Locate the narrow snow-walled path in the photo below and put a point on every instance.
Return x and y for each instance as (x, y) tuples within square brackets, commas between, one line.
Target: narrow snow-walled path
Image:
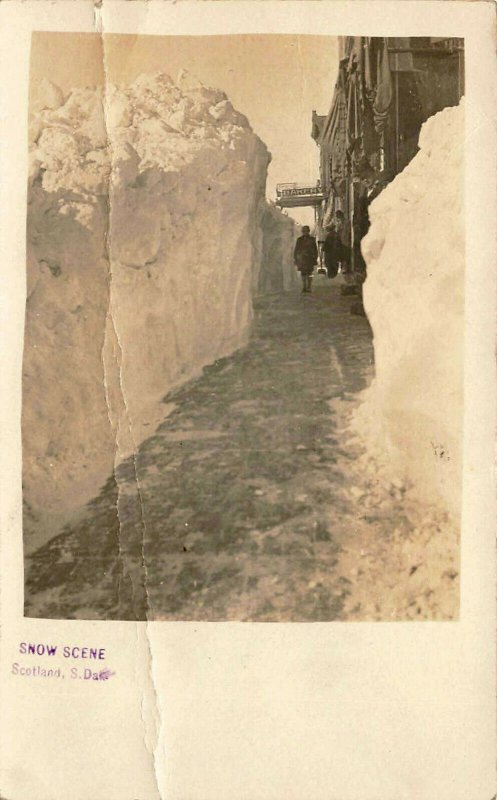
[(244, 504)]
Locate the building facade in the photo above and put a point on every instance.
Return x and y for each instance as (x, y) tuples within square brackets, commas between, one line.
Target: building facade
[(386, 88)]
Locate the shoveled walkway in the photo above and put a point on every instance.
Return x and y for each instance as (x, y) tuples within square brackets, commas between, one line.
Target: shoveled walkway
[(235, 508)]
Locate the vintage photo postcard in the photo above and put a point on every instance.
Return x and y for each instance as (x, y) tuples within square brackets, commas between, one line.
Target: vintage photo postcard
[(243, 353), (253, 382)]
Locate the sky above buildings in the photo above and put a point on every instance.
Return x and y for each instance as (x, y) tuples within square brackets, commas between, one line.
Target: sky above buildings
[(275, 80)]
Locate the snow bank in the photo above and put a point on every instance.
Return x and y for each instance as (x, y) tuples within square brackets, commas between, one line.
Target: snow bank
[(414, 299), (144, 233), (277, 272)]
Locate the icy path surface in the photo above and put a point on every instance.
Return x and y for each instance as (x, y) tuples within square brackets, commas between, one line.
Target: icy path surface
[(247, 503)]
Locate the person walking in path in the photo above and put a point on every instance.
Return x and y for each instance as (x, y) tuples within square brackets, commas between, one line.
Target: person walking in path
[(344, 235), (332, 251), (305, 257)]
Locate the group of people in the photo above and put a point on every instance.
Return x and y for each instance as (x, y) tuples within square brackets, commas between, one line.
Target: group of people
[(335, 250)]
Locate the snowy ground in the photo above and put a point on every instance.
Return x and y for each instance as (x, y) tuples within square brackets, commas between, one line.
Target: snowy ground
[(414, 299), (254, 501), (144, 243)]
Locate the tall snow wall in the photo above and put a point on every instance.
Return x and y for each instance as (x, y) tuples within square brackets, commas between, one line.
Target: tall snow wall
[(414, 298), (144, 243), (277, 272)]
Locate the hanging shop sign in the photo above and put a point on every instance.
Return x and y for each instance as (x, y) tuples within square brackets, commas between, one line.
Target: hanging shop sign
[(298, 194), (297, 190)]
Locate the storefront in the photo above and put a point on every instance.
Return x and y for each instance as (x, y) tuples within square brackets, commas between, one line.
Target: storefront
[(386, 88)]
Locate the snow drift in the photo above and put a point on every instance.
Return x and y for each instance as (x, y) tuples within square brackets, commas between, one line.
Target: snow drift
[(278, 272), (414, 299), (144, 242)]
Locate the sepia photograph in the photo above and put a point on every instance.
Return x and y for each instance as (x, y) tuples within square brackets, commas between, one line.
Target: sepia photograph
[(243, 365)]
